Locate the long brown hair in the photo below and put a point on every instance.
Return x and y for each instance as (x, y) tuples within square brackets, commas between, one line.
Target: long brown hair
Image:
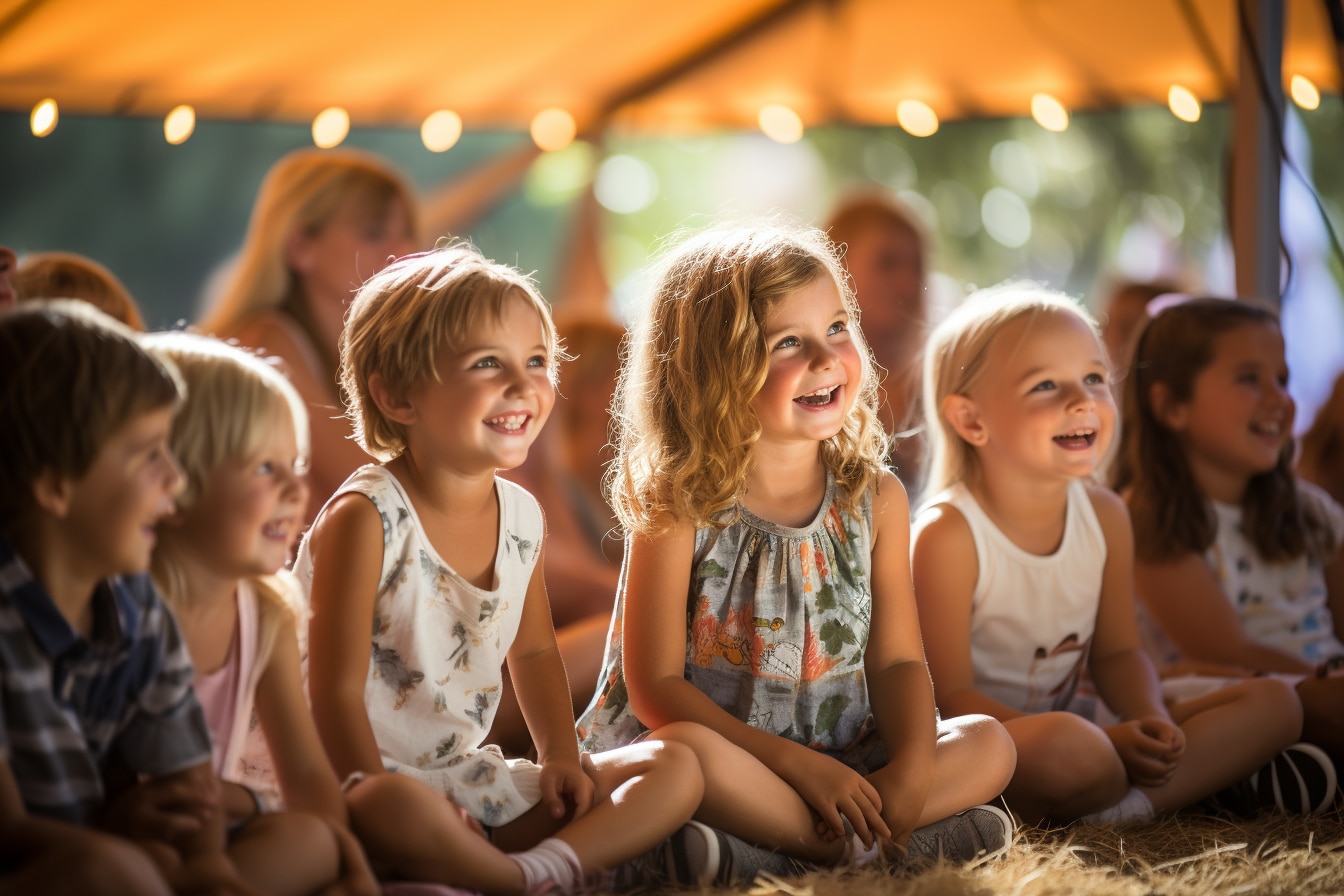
[(1171, 515)]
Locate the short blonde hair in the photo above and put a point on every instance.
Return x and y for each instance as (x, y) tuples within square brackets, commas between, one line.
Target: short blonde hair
[(954, 361), (65, 275), (402, 316), (233, 397), (302, 193), (684, 426)]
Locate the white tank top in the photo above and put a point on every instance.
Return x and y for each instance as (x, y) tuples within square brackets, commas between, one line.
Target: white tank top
[(1032, 616)]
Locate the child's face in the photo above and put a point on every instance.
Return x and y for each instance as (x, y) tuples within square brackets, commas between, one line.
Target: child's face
[(491, 399), (250, 511), (1240, 415), (115, 505), (815, 366), (1043, 402)]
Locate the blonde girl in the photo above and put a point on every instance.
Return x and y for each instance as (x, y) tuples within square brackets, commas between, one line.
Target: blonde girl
[(241, 438), (323, 222), (766, 588), (424, 577), (1023, 570), (1239, 562)]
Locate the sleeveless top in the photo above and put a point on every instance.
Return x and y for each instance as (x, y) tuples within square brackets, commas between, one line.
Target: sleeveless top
[(776, 626), (1033, 616), (437, 646), (227, 693)]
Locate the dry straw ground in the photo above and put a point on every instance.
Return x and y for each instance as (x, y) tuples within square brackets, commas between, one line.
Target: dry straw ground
[(1176, 856)]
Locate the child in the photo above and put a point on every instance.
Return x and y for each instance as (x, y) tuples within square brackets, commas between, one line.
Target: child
[(1239, 563), (96, 680), (65, 275), (423, 575), (241, 438), (766, 587), (1023, 568)]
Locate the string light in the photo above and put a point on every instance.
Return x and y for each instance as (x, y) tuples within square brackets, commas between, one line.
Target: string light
[(441, 130), (44, 118), (1184, 104), (780, 123), (1049, 112), (1304, 92), (179, 124), (553, 129), (330, 127), (917, 117)]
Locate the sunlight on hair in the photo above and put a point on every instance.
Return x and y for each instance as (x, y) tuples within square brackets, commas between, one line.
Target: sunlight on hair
[(178, 124), (330, 127), (917, 117), (1184, 104), (553, 129), (441, 130), (780, 123), (1304, 92), (1049, 112), (44, 117)]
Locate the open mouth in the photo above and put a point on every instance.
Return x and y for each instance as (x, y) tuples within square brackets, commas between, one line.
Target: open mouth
[(509, 422), (277, 529), (820, 398), (1079, 438), (1268, 430)]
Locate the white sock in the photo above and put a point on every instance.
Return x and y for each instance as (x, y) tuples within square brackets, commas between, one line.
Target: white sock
[(1134, 806), (858, 855), (550, 861)]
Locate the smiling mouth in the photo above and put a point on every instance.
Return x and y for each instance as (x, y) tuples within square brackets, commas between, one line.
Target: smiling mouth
[(1270, 430), (818, 399), (509, 422), (1079, 438), (276, 529)]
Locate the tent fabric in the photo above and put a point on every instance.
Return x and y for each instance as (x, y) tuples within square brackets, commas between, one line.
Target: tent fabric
[(645, 67)]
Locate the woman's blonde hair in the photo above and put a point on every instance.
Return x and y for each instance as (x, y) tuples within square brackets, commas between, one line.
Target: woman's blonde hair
[(302, 193), (403, 315), (65, 275), (233, 398), (955, 361), (683, 421)]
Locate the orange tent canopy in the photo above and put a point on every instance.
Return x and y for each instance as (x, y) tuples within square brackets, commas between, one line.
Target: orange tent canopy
[(647, 67)]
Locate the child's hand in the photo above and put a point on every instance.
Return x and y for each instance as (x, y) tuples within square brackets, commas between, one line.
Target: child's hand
[(166, 809), (1150, 748), (561, 778), (836, 793), (899, 811), (356, 877)]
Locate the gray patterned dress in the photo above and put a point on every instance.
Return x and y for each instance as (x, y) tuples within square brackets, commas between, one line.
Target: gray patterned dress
[(776, 625), (438, 644)]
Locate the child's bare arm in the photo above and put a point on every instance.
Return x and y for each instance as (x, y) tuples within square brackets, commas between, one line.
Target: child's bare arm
[(654, 656), (945, 569), (346, 545), (898, 679), (539, 680), (301, 766)]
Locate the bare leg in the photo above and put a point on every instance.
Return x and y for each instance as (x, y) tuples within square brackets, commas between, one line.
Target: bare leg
[(1323, 715), (974, 763), (90, 864), (748, 800), (412, 832), (1229, 733), (644, 792), (1066, 768), (286, 853)]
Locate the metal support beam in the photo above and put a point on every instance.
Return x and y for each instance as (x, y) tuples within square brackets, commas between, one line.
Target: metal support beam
[(1256, 160)]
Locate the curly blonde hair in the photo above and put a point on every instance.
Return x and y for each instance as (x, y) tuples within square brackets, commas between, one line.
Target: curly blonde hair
[(954, 361), (684, 425), (402, 316)]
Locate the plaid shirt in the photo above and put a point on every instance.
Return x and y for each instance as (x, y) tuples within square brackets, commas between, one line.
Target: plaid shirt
[(70, 706)]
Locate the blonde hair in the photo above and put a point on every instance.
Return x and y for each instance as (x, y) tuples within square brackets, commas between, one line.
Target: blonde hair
[(302, 193), (403, 315), (65, 275), (684, 426), (233, 397), (955, 361)]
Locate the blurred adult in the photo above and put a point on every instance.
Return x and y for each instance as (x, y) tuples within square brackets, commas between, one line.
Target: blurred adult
[(1124, 307), (324, 221)]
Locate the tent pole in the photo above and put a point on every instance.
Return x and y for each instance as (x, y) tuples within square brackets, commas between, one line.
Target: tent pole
[(1256, 160)]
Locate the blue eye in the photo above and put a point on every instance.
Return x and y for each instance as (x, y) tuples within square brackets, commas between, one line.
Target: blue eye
[(1095, 379), (788, 342), (265, 468), (537, 361), (487, 362), (838, 327), (1043, 386)]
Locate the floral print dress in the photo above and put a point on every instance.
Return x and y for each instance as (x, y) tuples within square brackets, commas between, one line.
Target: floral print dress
[(438, 644), (777, 621)]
